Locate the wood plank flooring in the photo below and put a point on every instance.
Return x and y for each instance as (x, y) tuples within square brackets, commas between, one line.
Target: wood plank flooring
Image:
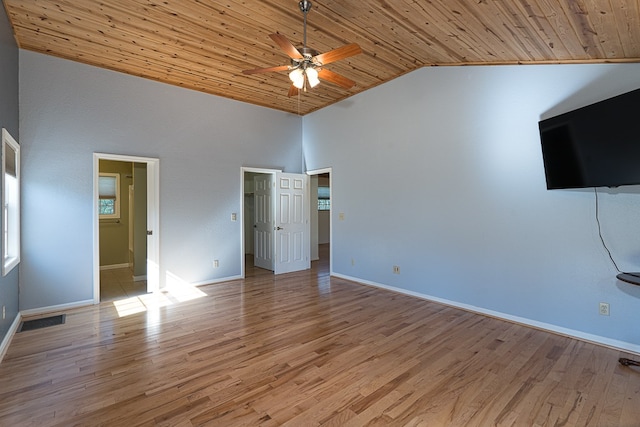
[(305, 349)]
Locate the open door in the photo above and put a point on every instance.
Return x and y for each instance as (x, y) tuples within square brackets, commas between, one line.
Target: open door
[(153, 224), (263, 223), (292, 228), (280, 222)]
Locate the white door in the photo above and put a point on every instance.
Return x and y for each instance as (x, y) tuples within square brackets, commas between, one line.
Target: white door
[(153, 225), (292, 223), (263, 225)]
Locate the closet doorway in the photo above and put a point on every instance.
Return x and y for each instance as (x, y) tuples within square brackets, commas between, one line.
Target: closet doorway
[(320, 186), (275, 217)]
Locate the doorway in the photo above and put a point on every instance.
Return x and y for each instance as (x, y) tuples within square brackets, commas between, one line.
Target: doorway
[(321, 218), (275, 221), (257, 221), (122, 205), (126, 244)]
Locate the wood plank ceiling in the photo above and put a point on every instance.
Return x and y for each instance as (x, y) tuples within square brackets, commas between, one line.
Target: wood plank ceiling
[(206, 44)]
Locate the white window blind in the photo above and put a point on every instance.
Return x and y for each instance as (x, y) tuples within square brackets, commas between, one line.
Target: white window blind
[(109, 195), (108, 189), (324, 202)]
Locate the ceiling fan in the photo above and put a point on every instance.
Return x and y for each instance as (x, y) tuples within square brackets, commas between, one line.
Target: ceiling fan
[(306, 64)]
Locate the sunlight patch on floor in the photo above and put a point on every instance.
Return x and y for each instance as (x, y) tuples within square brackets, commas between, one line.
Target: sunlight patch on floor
[(175, 291), (129, 306), (181, 290)]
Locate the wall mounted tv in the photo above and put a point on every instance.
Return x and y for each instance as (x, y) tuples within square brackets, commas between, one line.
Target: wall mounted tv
[(593, 146)]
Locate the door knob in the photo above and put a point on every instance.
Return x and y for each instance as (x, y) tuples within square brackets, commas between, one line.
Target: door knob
[(279, 228)]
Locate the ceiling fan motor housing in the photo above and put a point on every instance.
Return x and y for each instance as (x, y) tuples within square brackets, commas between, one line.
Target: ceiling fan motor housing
[(308, 60)]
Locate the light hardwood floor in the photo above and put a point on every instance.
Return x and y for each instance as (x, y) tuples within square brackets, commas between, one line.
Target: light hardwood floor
[(304, 349)]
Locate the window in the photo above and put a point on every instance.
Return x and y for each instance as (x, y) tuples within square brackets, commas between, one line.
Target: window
[(109, 195), (10, 203), (324, 203)]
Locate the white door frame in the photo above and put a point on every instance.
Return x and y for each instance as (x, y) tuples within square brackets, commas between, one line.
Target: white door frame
[(244, 169), (328, 170), (153, 219)]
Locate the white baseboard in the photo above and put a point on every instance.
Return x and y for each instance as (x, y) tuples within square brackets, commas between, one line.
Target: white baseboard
[(114, 266), (583, 336), (55, 308), (212, 281), (139, 278), (4, 345)]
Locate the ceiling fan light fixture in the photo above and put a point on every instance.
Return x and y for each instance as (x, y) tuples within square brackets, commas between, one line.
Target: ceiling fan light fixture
[(307, 65), (312, 76), (297, 77)]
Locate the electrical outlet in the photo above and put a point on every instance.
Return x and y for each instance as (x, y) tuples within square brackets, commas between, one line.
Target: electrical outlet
[(216, 263), (604, 308), (234, 216), (341, 216), (4, 312), (396, 269)]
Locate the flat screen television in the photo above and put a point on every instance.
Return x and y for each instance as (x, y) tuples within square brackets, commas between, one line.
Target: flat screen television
[(593, 146)]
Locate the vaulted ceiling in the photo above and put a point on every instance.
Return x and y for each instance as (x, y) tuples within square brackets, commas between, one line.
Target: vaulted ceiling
[(206, 44)]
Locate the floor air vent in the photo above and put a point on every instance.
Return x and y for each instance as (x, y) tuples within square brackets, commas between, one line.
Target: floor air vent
[(30, 325)]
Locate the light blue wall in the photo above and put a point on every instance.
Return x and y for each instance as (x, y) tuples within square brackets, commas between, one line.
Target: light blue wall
[(70, 110), (440, 172), (8, 120)]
